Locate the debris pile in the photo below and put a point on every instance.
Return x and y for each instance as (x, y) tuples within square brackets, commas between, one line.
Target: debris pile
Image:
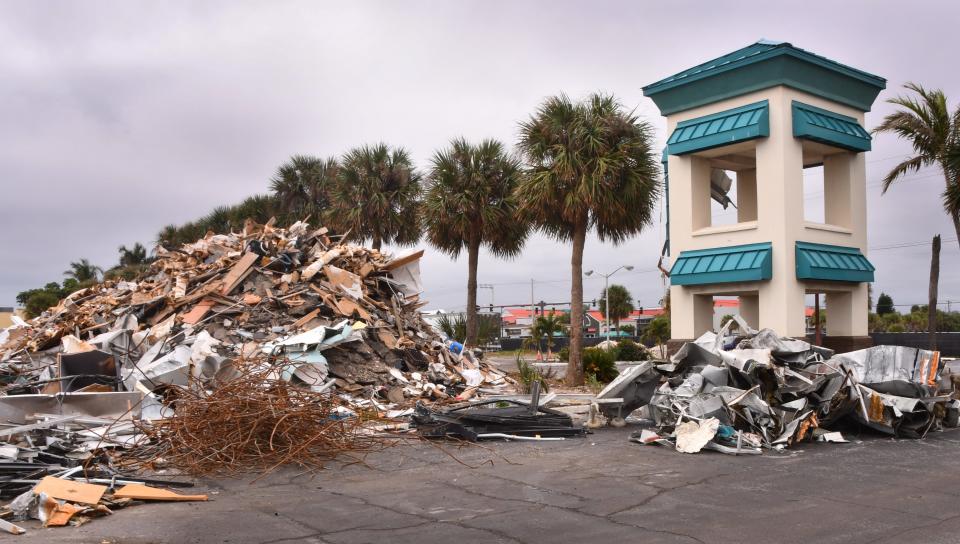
[(325, 309), (773, 392), (238, 352)]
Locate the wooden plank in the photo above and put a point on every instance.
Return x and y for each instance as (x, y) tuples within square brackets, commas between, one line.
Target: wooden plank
[(388, 339), (58, 515), (347, 307), (397, 263), (69, 490), (306, 319), (11, 528), (198, 312), (239, 272), (142, 492)]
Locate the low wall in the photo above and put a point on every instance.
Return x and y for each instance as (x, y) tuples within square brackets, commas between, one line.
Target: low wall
[(947, 342), (510, 344)]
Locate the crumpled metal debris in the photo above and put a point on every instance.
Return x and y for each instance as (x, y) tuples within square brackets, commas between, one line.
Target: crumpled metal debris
[(773, 392)]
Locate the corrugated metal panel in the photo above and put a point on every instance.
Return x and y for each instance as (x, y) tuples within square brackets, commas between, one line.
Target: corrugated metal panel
[(751, 262), (833, 263), (820, 125), (719, 129)]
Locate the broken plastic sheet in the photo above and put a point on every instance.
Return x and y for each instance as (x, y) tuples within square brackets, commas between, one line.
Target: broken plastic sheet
[(692, 436)]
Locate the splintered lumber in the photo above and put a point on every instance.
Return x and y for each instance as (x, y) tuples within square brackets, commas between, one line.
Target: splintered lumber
[(11, 528), (199, 311), (145, 493), (238, 272), (405, 260), (69, 490)]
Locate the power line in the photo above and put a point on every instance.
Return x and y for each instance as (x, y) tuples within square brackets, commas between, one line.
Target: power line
[(902, 245)]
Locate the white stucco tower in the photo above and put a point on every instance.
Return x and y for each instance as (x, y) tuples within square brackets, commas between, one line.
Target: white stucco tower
[(763, 115)]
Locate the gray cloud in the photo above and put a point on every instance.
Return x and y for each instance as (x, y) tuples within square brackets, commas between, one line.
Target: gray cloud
[(120, 117)]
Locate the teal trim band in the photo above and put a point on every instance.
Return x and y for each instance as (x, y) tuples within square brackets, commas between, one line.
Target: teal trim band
[(760, 66), (832, 263), (720, 129), (827, 127), (750, 262)]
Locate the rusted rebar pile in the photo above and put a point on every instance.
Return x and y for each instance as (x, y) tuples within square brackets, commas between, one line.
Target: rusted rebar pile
[(252, 423)]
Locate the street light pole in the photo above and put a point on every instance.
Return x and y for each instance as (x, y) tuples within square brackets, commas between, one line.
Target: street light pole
[(606, 294), (606, 305)]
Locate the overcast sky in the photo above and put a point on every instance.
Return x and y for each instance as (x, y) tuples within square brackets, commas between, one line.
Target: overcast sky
[(117, 118)]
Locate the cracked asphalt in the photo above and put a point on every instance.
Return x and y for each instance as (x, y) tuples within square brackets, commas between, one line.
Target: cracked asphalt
[(601, 488)]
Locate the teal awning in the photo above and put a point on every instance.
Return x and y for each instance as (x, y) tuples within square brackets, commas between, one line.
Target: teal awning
[(749, 262), (724, 128), (834, 263), (829, 128)]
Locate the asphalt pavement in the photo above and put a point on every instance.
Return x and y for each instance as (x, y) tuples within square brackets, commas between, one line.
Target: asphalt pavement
[(600, 488)]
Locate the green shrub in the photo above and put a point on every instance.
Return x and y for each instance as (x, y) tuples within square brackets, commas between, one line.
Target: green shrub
[(529, 374), (593, 384), (628, 350), (564, 354), (600, 363)]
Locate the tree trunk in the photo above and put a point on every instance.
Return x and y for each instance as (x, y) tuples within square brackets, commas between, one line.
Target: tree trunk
[(575, 365), (377, 242), (956, 226), (934, 284), (473, 255)]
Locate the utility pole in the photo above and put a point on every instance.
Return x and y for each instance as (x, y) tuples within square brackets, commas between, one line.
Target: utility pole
[(934, 284), (606, 305), (533, 312), (818, 340)]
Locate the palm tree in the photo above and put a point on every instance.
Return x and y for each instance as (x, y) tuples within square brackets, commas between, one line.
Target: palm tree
[(377, 196), (935, 136), (469, 202), (134, 256), (547, 325), (621, 304), (83, 271), (301, 186), (591, 165)]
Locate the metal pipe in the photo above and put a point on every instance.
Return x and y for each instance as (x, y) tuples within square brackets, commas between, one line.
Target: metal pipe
[(518, 437)]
